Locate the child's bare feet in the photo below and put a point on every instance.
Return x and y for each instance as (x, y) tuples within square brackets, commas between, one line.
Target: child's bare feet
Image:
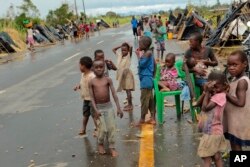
[(101, 149), (113, 152), (128, 108), (165, 90), (82, 133), (95, 133), (141, 122), (151, 121)]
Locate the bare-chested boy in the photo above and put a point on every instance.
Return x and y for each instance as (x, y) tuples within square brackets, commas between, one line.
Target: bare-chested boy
[(100, 87)]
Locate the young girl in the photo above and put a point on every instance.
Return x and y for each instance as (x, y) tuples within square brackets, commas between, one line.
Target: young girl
[(213, 99), (169, 74), (237, 111), (30, 39), (124, 75)]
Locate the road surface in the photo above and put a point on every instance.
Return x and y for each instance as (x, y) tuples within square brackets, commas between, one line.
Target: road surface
[(40, 114)]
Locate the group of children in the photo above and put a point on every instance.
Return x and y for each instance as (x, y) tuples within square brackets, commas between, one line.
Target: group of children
[(224, 107), (225, 111), (95, 87)]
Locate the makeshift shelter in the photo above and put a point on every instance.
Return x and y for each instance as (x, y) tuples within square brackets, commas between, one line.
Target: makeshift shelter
[(102, 23), (53, 31), (6, 43), (193, 23), (232, 30), (39, 38), (46, 33)]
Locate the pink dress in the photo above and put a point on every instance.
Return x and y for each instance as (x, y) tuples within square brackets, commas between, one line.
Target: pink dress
[(169, 78), (211, 124)]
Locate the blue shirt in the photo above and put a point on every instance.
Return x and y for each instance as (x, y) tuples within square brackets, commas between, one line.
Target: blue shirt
[(134, 23), (146, 72)]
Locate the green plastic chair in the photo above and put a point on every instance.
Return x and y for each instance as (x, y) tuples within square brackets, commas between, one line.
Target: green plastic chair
[(161, 95)]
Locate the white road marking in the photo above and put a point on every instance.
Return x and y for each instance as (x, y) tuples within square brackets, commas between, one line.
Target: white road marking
[(2, 91), (71, 57), (100, 42)]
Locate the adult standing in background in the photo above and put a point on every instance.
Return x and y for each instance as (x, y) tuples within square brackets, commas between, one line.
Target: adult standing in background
[(134, 24)]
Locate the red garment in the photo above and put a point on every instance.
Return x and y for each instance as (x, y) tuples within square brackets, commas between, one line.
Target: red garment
[(86, 28)]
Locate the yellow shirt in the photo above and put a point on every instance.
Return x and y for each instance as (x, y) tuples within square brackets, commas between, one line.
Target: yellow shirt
[(85, 79)]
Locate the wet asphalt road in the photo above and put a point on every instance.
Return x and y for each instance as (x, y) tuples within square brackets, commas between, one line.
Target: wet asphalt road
[(40, 114)]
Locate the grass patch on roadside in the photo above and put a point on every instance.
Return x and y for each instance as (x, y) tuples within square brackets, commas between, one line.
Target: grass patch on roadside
[(110, 20)]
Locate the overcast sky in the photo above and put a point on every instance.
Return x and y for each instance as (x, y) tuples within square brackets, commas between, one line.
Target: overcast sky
[(94, 7)]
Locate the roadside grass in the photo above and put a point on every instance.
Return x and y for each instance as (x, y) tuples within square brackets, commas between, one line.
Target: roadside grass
[(110, 20)]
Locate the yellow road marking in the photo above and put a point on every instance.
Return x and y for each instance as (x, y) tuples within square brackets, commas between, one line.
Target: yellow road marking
[(147, 146)]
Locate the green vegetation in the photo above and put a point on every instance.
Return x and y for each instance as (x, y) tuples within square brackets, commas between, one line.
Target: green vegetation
[(63, 14)]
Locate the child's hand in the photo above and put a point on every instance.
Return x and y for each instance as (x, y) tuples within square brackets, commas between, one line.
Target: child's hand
[(97, 115), (227, 88), (120, 113), (77, 87), (208, 87)]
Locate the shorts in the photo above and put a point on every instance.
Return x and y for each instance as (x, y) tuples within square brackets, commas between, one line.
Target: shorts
[(160, 45), (211, 144), (87, 109), (200, 81), (135, 32), (75, 33)]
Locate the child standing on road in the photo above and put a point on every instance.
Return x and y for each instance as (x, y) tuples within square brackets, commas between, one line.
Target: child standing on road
[(210, 123), (100, 87), (168, 80), (124, 75), (237, 111), (109, 65), (146, 73), (85, 65), (30, 39)]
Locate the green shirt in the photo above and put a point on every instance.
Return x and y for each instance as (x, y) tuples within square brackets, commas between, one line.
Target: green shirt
[(159, 36)]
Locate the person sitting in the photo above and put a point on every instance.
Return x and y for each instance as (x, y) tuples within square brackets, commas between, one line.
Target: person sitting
[(201, 54), (168, 80)]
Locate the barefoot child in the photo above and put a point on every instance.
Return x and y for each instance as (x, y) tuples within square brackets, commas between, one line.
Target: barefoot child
[(237, 111), (85, 65), (109, 65), (124, 75), (168, 80), (146, 73), (100, 87), (212, 142), (30, 39)]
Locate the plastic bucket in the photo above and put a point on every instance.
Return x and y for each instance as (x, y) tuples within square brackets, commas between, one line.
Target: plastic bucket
[(170, 35)]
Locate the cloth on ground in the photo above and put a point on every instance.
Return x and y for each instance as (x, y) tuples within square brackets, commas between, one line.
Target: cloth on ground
[(185, 93)]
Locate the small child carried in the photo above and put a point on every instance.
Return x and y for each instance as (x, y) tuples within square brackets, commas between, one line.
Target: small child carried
[(168, 80), (124, 75), (192, 63), (210, 123), (100, 88)]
